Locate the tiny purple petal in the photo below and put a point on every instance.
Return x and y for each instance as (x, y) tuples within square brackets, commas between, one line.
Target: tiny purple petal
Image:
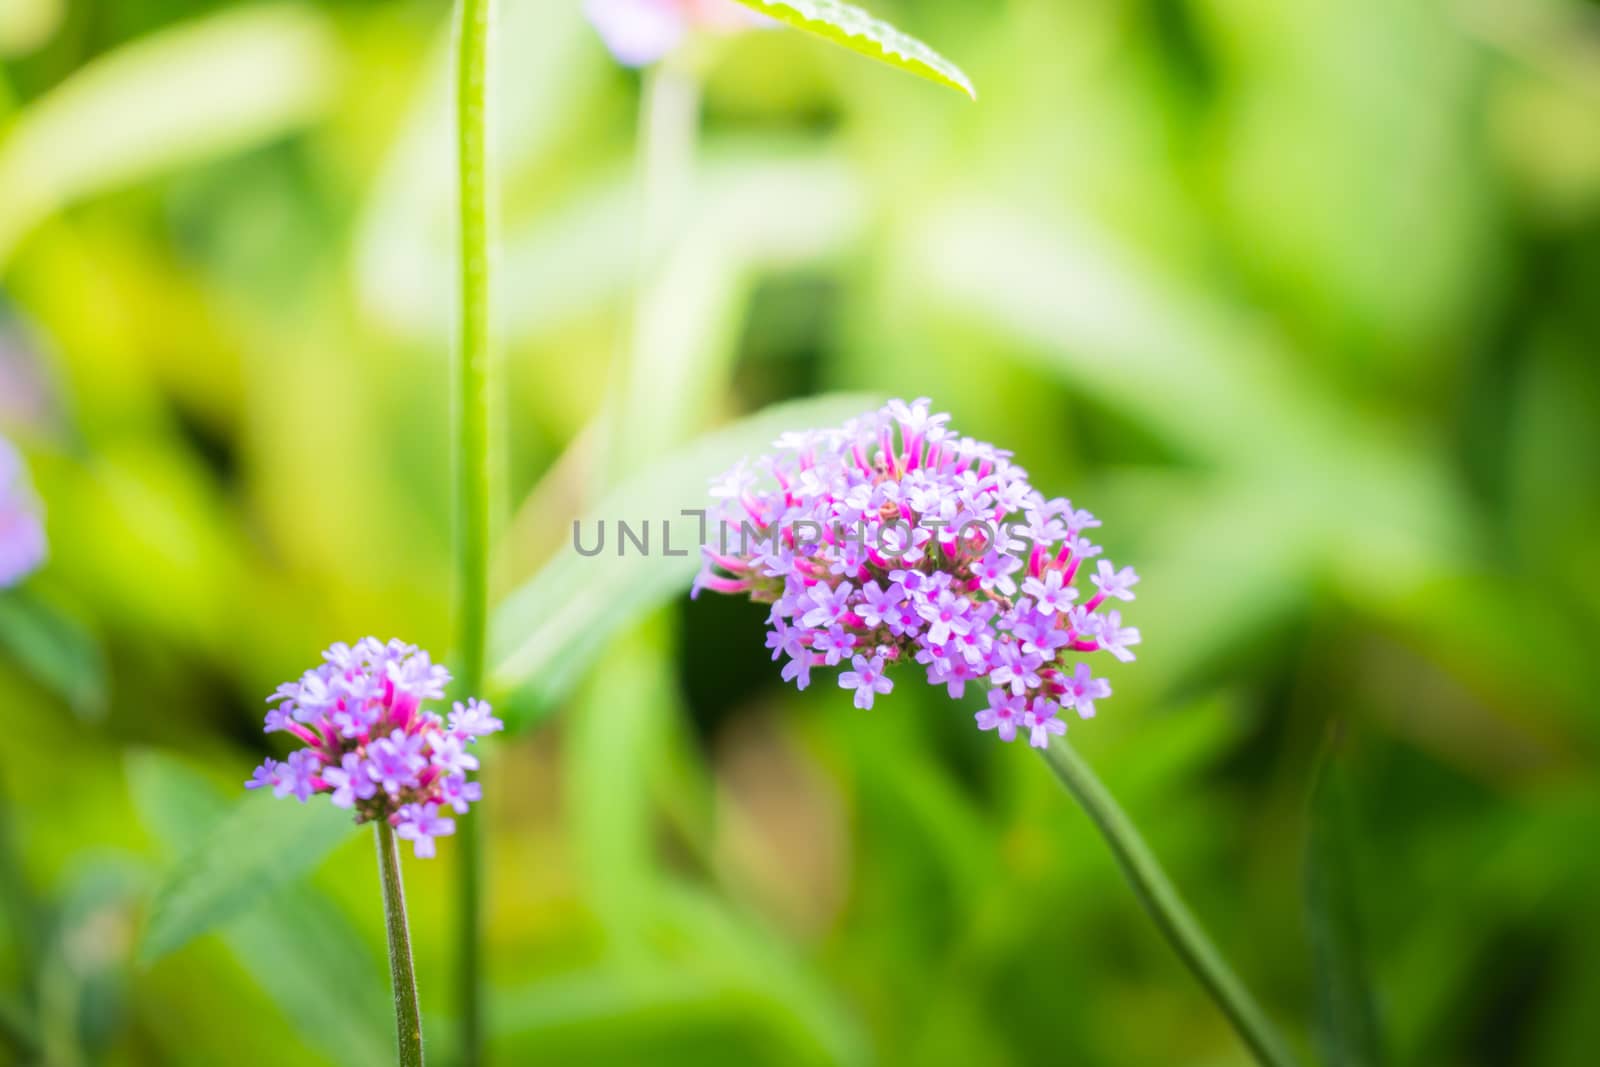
[(474, 719), (264, 776), (420, 824)]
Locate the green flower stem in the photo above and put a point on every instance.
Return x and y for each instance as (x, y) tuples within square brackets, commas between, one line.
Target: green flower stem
[(403, 975), (649, 402), (1156, 891), (668, 136), (474, 351)]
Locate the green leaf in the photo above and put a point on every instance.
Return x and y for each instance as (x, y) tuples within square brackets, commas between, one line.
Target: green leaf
[(17, 1029), (605, 1014), (56, 650), (83, 995), (615, 730), (606, 999), (180, 95), (321, 973), (175, 802), (1107, 320), (817, 1026), (550, 629), (1347, 1026), (858, 31), (26, 25), (297, 944), (261, 844)]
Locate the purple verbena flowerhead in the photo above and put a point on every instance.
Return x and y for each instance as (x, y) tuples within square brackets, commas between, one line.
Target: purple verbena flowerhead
[(639, 32), (891, 542), (22, 543), (372, 746)]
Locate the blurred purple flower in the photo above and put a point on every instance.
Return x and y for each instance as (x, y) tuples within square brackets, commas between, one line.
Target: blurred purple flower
[(370, 744), (892, 541), (22, 543)]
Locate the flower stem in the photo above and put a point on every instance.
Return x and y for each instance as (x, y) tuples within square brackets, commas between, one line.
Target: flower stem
[(474, 350), (654, 386), (1160, 898), (403, 975)]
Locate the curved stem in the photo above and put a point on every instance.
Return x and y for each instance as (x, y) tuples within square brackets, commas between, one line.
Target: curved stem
[(403, 975), (1160, 898), (474, 351)]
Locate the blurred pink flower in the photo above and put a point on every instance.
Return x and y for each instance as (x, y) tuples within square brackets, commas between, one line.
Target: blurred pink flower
[(639, 32), (25, 397)]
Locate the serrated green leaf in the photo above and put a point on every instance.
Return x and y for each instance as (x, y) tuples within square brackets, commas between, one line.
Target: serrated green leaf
[(855, 29), (550, 629), (259, 845), (1347, 1026)]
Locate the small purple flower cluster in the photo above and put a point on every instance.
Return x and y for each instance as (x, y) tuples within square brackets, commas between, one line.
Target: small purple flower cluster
[(22, 542), (891, 540), (369, 744)]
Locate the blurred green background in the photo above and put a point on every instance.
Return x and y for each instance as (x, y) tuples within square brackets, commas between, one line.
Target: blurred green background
[(1299, 298)]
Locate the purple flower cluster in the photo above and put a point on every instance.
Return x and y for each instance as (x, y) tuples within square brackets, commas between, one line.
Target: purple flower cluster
[(891, 541), (369, 744), (22, 544), (640, 32)]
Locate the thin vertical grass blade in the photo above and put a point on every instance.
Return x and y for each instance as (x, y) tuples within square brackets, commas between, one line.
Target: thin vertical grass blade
[(1346, 1018)]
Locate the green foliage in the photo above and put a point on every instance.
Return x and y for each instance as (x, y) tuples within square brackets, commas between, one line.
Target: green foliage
[(857, 30), (173, 99), (1297, 298), (301, 949), (253, 850), (1347, 1025), (56, 649)]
